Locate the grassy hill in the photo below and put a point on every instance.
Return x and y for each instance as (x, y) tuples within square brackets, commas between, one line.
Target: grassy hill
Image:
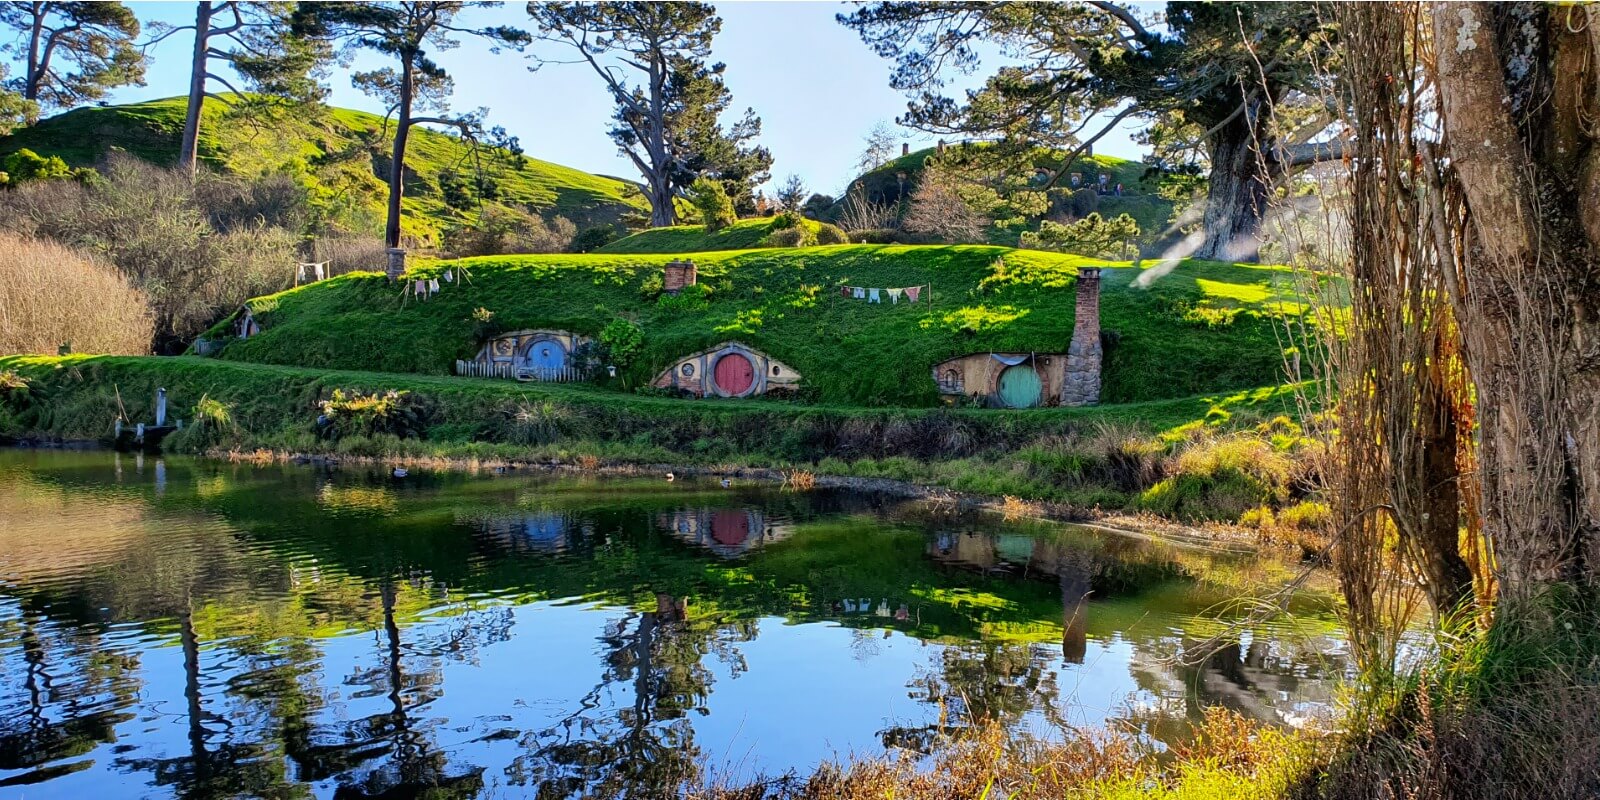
[(341, 154), (1204, 327), (742, 235)]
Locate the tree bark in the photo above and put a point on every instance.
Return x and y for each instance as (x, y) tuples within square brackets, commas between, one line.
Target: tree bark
[(189, 154), (1528, 290), (1236, 192), (36, 32), (397, 167)]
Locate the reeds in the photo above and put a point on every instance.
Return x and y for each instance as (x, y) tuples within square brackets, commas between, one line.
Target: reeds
[(52, 296)]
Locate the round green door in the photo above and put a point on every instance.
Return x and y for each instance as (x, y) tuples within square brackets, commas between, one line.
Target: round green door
[(1019, 387)]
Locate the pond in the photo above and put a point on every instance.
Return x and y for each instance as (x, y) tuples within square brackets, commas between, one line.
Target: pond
[(187, 628)]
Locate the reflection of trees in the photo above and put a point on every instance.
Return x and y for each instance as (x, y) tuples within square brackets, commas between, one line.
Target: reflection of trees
[(646, 748), (62, 676)]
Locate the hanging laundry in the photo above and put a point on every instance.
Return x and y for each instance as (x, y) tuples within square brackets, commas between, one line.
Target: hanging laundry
[(433, 285), (420, 289), (844, 291), (318, 270), (912, 292), (449, 276), (300, 274), (873, 296), (858, 293), (894, 295)]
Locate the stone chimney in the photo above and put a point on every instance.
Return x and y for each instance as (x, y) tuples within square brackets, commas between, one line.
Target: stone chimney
[(677, 275), (905, 148), (396, 265), (1080, 386)]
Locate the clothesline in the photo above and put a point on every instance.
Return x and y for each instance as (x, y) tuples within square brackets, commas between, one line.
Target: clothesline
[(875, 294)]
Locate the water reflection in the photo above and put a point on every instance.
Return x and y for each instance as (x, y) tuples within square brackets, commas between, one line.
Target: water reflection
[(211, 630)]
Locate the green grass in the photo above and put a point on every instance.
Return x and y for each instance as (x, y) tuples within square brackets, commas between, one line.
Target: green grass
[(742, 235), (1204, 327), (337, 152), (242, 406)]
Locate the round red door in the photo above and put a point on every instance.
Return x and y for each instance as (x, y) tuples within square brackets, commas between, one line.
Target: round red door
[(734, 374)]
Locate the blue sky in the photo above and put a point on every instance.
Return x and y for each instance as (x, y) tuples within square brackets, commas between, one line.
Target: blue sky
[(816, 87)]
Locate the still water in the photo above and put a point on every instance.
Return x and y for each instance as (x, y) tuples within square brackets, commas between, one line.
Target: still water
[(181, 628)]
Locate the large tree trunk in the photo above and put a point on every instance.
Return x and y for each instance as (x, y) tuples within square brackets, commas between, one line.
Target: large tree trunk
[(397, 164), (189, 155), (1528, 295), (1236, 192), (35, 73)]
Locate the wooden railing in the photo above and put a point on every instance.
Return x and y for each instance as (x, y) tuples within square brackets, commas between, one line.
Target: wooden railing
[(512, 371)]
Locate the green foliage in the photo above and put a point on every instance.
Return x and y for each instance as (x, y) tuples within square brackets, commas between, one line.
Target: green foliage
[(590, 239), (624, 340), (74, 52), (711, 200), (334, 155), (847, 351), (741, 235), (789, 237), (393, 413), (25, 165), (828, 233), (1091, 236)]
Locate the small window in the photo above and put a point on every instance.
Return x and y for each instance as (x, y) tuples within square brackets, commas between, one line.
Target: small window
[(687, 370), (774, 369)]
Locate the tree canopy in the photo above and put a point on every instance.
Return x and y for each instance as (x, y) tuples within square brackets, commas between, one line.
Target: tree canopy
[(72, 53), (1075, 70)]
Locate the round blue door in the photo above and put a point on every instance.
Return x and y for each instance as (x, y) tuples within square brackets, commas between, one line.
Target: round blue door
[(547, 357)]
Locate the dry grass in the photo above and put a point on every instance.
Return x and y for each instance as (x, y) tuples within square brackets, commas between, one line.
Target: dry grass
[(800, 480), (588, 462), (1014, 508), (1229, 757), (51, 295)]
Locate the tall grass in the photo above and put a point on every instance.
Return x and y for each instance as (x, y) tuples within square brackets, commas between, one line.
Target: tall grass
[(52, 296)]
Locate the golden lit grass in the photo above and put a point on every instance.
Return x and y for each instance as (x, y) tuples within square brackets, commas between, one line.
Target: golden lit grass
[(51, 295)]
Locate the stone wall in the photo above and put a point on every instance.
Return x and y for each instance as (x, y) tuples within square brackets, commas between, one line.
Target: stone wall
[(1080, 386)]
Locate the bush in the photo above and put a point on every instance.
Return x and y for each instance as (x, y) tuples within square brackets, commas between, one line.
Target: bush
[(1220, 478), (828, 233), (874, 236), (590, 239), (1091, 236), (711, 199), (786, 220), (623, 340), (51, 295), (349, 253), (507, 231), (788, 237), (154, 225), (25, 165), (400, 414)]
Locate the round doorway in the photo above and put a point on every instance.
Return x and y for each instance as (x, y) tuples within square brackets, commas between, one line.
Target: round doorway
[(1019, 387), (734, 375), (546, 358)]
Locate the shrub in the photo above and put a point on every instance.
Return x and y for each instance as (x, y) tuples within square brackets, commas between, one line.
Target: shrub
[(786, 220), (349, 252), (590, 239), (874, 236), (623, 340), (828, 233), (713, 203), (788, 237), (51, 295), (507, 231), (154, 227), (1091, 236), (25, 165), (400, 414), (1220, 479), (1305, 516)]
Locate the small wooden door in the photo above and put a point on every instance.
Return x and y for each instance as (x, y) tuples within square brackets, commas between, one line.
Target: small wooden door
[(1020, 387), (734, 374)]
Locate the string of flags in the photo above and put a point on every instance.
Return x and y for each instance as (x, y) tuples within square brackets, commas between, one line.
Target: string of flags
[(875, 295)]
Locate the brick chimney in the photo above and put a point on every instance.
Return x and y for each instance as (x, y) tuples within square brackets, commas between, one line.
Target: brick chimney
[(905, 148), (1080, 386), (677, 275)]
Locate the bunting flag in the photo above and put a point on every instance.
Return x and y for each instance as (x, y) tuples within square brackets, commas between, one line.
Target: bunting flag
[(433, 285), (858, 293), (844, 291), (894, 295), (873, 296), (912, 292)]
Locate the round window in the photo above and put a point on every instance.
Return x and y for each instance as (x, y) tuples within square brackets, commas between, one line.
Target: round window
[(687, 371)]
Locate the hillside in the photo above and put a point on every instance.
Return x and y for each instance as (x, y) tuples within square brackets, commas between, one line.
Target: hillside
[(1204, 327), (1139, 198), (340, 153), (742, 235)]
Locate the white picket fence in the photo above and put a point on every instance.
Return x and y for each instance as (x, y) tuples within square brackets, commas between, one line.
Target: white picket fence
[(512, 371)]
